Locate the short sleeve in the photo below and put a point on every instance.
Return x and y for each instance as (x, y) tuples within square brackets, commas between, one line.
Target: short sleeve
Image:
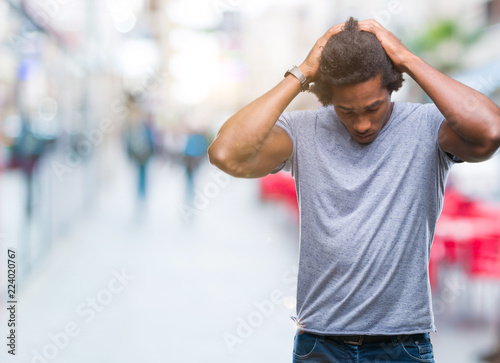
[(285, 123), (436, 118)]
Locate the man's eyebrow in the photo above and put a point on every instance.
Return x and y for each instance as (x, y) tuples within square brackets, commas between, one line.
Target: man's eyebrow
[(376, 103), (344, 108)]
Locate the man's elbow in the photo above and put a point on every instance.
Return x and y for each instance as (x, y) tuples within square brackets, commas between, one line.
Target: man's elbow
[(495, 137), (488, 149), (221, 158), (217, 156), (493, 142), (488, 146), (493, 150)]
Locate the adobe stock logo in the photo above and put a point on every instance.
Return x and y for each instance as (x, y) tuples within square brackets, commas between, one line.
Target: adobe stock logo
[(48, 9), (203, 197), (264, 309), (88, 309), (384, 16), (472, 98)]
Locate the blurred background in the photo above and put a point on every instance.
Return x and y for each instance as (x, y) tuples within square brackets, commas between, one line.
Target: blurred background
[(130, 246)]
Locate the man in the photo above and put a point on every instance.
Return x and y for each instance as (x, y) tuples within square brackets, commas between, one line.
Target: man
[(370, 176)]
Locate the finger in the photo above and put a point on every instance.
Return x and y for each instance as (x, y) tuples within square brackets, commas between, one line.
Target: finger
[(335, 29), (366, 25), (371, 25), (372, 22), (332, 31)]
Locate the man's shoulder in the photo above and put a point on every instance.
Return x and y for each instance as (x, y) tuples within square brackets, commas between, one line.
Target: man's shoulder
[(408, 108), (309, 115), (417, 121), (418, 114)]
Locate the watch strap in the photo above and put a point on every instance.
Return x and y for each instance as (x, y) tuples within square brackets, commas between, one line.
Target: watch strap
[(295, 71)]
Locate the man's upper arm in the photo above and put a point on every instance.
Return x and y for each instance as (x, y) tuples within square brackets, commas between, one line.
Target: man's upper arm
[(454, 144), (276, 149)]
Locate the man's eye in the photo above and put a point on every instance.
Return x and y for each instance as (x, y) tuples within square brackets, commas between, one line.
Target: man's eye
[(373, 109)]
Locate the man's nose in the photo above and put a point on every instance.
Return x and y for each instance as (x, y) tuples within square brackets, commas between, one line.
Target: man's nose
[(362, 125)]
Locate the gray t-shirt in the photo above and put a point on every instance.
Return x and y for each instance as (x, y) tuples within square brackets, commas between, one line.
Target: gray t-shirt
[(367, 219)]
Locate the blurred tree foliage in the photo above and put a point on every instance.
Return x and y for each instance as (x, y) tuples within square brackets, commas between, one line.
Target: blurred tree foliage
[(444, 43)]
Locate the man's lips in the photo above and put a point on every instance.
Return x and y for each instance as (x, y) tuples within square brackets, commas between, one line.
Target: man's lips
[(363, 136)]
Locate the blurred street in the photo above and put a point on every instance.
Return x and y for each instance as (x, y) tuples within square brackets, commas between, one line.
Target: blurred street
[(193, 280)]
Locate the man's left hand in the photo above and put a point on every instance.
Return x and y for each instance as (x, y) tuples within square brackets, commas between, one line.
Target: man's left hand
[(395, 49)]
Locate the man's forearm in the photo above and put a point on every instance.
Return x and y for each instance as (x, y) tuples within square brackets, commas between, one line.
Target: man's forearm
[(472, 115)]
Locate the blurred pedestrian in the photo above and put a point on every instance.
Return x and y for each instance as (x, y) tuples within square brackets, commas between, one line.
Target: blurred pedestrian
[(26, 153), (195, 152), (140, 145), (370, 176)]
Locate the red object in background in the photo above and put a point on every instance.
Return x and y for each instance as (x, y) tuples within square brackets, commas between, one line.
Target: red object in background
[(468, 236), (485, 257), (280, 187), (467, 233)]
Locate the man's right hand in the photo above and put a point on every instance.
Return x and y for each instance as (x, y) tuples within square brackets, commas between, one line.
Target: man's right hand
[(310, 66)]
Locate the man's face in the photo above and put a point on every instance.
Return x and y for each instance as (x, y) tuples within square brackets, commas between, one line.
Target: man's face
[(363, 108)]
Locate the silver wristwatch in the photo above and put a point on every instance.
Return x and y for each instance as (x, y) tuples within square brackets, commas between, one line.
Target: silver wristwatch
[(300, 76)]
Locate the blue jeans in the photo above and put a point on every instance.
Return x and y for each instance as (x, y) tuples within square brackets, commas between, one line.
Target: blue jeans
[(312, 348)]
